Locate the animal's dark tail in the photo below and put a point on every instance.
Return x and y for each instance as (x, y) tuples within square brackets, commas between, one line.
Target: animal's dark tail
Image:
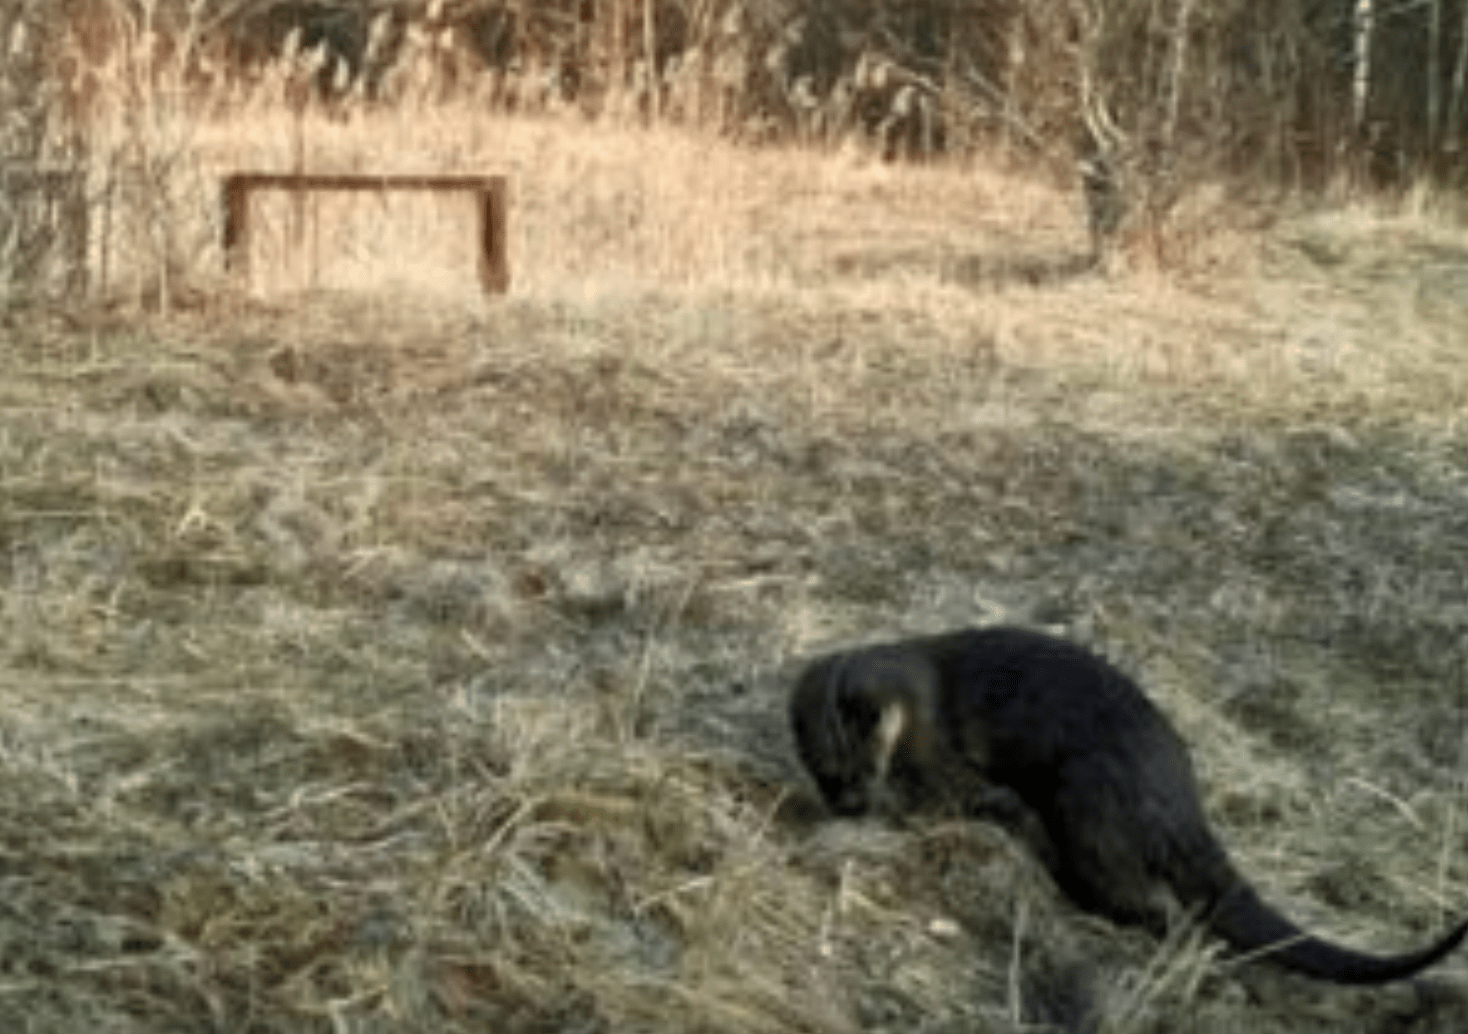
[(1247, 923)]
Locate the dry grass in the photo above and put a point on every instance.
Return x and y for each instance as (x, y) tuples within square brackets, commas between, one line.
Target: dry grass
[(391, 662)]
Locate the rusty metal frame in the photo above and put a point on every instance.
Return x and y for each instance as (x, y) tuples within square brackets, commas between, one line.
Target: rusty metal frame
[(491, 192)]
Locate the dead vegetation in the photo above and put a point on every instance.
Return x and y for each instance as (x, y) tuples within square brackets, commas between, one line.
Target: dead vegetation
[(102, 99), (395, 660), (380, 664)]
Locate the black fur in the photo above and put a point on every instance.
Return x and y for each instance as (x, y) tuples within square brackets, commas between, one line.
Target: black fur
[(1069, 750)]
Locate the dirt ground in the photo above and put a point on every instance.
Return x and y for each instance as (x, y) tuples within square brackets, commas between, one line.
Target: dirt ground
[(381, 663)]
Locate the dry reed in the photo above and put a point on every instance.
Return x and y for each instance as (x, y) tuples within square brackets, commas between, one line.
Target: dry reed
[(379, 662)]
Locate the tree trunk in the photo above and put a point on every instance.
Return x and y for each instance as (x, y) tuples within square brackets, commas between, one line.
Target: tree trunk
[(1434, 75), (1176, 75), (1365, 28), (1460, 79)]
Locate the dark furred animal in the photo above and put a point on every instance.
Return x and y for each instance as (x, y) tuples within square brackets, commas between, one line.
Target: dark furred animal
[(1068, 749)]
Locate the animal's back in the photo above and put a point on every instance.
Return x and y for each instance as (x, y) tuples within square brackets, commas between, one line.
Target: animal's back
[(1029, 702), (1080, 743)]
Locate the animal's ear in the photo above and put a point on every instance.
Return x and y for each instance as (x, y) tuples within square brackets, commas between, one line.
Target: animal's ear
[(890, 728)]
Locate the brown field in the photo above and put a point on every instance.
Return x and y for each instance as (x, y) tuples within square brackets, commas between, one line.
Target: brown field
[(390, 659)]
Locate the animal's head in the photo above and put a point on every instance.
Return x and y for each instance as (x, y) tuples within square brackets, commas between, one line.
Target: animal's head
[(854, 715)]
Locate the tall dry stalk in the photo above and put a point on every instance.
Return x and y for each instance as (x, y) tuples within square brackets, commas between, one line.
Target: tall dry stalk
[(43, 225), (649, 58)]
